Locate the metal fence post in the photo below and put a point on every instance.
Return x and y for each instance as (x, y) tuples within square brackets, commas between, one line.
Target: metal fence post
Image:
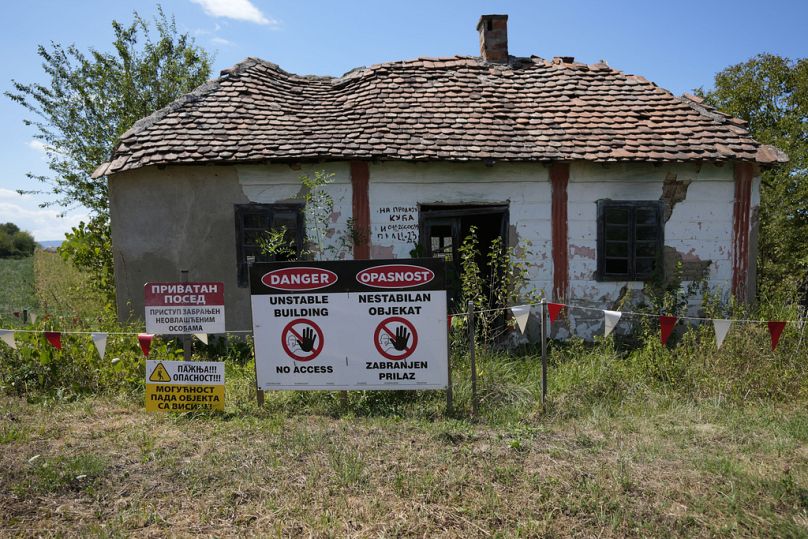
[(543, 317), (448, 366), (473, 359)]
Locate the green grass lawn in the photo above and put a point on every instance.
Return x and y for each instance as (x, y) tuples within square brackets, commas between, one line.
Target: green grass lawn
[(17, 289)]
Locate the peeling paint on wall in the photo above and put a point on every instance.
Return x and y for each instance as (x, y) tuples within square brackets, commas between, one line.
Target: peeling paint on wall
[(673, 192), (693, 268), (586, 252), (382, 251)]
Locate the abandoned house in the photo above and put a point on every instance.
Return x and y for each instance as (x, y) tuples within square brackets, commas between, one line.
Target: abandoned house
[(605, 178)]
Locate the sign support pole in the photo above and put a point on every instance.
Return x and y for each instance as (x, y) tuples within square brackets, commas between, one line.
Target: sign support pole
[(448, 368), (186, 339), (543, 308), (473, 359), (259, 393)]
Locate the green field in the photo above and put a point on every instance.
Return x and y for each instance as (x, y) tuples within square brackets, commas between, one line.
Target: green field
[(17, 291), (684, 441)]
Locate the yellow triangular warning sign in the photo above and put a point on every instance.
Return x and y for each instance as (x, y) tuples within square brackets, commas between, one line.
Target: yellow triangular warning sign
[(159, 374)]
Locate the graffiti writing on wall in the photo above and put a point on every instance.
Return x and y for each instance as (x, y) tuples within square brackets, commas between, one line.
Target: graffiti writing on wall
[(399, 223)]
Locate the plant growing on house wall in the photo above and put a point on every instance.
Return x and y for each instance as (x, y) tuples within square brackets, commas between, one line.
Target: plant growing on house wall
[(322, 240), (504, 284)]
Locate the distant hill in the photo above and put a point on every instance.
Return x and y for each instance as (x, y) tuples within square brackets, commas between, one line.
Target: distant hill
[(52, 244)]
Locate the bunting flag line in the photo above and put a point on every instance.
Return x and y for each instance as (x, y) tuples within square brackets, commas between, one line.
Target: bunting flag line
[(7, 336), (721, 328), (521, 313), (33, 318), (100, 342), (203, 337), (145, 340), (54, 338), (610, 320), (775, 330), (666, 325), (553, 309)]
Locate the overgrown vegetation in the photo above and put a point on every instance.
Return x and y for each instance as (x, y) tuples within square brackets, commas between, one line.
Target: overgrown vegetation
[(686, 441)]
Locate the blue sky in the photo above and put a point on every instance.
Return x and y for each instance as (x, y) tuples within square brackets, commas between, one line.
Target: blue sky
[(679, 45)]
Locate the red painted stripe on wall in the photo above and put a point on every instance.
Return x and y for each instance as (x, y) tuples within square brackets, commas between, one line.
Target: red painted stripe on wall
[(360, 207), (559, 178), (740, 229)]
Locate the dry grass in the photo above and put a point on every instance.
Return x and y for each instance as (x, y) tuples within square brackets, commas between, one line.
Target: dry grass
[(105, 467)]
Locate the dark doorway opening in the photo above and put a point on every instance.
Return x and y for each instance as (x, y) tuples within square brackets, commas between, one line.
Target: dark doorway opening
[(443, 228)]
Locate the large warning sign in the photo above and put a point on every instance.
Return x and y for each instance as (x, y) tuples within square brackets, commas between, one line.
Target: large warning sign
[(376, 324), (184, 386), (183, 308)]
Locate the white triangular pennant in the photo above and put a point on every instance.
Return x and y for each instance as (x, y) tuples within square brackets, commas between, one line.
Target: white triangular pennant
[(203, 337), (521, 313), (7, 336), (33, 317), (721, 328), (610, 320), (100, 342)]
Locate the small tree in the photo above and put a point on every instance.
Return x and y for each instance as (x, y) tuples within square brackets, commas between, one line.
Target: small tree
[(15, 243), (92, 98)]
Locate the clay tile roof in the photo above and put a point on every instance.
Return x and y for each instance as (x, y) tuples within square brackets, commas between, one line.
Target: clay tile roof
[(450, 109)]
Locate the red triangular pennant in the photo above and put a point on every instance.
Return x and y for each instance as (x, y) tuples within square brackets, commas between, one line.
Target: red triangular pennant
[(553, 309), (449, 321), (775, 330), (54, 338), (666, 325), (145, 340), (17, 314)]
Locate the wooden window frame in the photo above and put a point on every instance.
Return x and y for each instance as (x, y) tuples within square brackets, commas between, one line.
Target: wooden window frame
[(269, 211), (632, 206)]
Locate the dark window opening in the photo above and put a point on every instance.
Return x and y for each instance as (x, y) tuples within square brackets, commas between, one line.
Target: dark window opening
[(630, 239), (253, 221), (443, 229)]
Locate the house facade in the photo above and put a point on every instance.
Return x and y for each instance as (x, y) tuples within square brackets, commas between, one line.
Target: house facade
[(600, 179)]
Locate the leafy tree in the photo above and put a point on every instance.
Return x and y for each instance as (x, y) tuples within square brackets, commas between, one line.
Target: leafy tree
[(15, 242), (771, 93), (90, 100)]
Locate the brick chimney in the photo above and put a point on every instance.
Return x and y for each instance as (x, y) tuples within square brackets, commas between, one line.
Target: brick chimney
[(494, 38)]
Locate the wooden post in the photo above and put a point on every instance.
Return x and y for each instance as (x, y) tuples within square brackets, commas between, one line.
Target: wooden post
[(259, 393), (543, 317), (473, 359), (186, 338)]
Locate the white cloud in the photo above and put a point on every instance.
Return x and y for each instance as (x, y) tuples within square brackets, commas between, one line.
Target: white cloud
[(44, 223), (37, 145), (221, 41), (240, 10)]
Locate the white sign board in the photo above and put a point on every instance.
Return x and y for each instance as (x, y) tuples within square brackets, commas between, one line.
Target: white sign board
[(184, 308), (350, 325)]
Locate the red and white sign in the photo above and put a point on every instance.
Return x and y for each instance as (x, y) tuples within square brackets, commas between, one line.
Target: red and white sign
[(395, 338), (184, 308), (358, 324), (302, 339), (299, 279), (395, 276)]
